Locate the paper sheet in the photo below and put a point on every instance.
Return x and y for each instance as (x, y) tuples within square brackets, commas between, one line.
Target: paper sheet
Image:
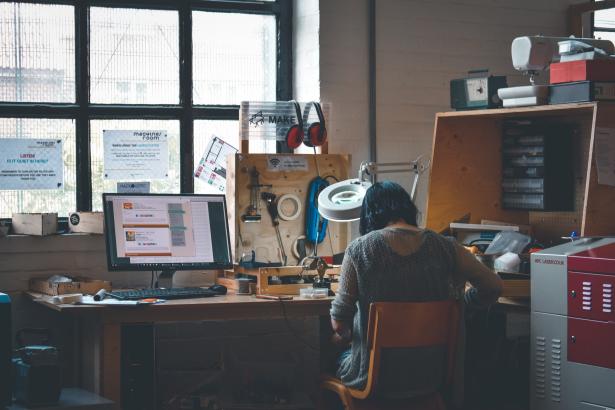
[(31, 163), (604, 140), (89, 300), (212, 166), (135, 155)]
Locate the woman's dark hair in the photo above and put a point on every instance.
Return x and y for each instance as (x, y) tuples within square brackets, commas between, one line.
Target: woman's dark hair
[(386, 202)]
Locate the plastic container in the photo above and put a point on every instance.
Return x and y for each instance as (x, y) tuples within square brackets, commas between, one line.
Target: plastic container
[(313, 293)]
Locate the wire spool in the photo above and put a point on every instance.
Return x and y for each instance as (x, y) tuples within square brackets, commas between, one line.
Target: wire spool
[(283, 207)]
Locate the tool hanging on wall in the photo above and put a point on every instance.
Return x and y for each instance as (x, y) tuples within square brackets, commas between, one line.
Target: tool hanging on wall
[(272, 207), (253, 213), (315, 225)]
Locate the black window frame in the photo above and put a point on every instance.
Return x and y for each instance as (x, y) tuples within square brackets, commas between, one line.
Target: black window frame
[(186, 112)]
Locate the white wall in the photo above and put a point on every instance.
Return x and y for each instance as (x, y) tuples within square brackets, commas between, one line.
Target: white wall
[(421, 46)]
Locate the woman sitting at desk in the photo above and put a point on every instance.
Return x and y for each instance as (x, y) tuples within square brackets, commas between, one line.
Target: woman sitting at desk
[(396, 261)]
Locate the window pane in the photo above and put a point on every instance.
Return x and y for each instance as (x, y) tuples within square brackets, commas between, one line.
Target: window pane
[(604, 19), (203, 130), (134, 56), (605, 35), (100, 185), (37, 53), (62, 200), (234, 57)]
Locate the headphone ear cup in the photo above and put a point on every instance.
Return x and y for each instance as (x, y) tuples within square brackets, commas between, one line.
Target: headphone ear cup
[(294, 137), (317, 135)]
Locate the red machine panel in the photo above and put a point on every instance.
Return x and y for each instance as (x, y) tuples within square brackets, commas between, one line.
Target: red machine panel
[(591, 296), (595, 260), (591, 342)]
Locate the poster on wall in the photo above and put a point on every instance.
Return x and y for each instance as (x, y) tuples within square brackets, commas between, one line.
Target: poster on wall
[(31, 163), (135, 155), (212, 167)]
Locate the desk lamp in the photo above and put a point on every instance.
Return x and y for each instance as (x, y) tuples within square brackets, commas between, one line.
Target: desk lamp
[(341, 202)]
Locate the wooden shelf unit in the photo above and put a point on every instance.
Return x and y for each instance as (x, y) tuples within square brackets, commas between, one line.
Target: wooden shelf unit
[(466, 170)]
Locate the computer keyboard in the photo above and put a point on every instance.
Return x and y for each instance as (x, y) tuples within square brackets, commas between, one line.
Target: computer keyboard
[(171, 293)]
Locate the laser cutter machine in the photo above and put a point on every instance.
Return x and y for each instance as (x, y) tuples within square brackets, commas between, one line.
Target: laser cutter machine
[(573, 326)]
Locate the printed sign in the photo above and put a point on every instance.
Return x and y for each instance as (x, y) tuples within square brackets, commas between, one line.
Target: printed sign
[(286, 163), (136, 154), (271, 120), (212, 166), (133, 187), (31, 163)]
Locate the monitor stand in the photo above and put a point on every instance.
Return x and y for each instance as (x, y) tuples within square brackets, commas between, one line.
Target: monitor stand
[(165, 279)]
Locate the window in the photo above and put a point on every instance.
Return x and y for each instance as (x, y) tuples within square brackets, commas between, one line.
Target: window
[(70, 70), (604, 24)]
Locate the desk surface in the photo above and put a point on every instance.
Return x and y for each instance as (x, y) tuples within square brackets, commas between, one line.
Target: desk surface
[(225, 307), (229, 306)]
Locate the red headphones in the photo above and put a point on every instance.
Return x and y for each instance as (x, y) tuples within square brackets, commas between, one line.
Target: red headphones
[(294, 135), (317, 132)]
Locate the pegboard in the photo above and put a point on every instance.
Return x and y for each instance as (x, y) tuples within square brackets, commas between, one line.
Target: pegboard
[(287, 174)]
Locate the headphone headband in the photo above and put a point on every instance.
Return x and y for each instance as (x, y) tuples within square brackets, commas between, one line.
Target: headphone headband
[(321, 116), (298, 113)]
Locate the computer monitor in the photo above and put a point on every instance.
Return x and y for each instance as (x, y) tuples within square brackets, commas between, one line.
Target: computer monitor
[(166, 232)]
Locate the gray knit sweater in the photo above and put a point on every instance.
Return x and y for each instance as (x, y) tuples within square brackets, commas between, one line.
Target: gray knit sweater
[(394, 265)]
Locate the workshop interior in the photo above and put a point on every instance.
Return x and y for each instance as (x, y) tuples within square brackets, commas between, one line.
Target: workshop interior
[(203, 204)]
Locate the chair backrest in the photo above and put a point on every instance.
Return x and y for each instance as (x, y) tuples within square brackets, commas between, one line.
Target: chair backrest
[(410, 324)]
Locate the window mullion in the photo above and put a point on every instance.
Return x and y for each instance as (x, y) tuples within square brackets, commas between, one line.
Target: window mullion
[(186, 127), (82, 121)]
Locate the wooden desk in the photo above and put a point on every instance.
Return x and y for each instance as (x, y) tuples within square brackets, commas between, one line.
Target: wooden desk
[(100, 326)]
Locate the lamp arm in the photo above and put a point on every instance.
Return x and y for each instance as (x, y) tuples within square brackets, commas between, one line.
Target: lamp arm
[(368, 170)]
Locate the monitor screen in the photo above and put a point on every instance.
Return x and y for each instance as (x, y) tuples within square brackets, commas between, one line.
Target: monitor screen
[(166, 232)]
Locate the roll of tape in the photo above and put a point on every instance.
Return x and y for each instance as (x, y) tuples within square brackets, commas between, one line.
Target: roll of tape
[(293, 198)]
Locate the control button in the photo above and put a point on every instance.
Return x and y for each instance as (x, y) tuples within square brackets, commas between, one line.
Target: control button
[(587, 298), (587, 283), (607, 305), (587, 288), (607, 285), (587, 293), (587, 308)]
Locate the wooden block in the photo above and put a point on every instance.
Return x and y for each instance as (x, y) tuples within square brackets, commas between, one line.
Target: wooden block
[(79, 285), (516, 288), (86, 222), (42, 224)]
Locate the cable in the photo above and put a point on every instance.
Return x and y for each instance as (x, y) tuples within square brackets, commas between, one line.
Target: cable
[(292, 330), (332, 177)]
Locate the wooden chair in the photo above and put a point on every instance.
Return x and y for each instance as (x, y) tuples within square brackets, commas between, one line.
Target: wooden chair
[(398, 325)]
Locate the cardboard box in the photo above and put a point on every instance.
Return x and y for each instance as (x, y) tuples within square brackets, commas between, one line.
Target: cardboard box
[(35, 224), (78, 285), (86, 222)]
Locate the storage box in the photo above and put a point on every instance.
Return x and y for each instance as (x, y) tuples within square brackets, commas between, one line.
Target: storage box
[(582, 70), (35, 224), (78, 285), (86, 222)]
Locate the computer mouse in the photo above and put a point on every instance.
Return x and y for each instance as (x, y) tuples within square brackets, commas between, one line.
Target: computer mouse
[(219, 289)]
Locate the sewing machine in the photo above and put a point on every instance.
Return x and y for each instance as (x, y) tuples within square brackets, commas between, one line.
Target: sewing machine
[(533, 54)]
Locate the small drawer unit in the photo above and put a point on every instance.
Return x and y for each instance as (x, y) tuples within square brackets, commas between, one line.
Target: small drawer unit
[(537, 173)]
